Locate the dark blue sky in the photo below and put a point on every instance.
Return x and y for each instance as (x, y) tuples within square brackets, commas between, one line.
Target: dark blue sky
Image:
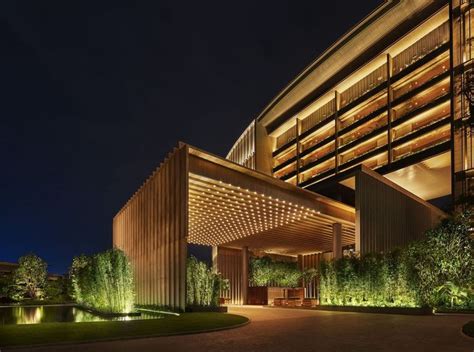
[(95, 93)]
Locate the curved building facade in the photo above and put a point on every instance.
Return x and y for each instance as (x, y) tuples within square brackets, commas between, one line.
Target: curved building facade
[(388, 95)]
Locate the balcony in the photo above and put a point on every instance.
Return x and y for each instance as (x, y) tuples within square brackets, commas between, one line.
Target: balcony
[(426, 141), (415, 52), (422, 76), (364, 148), (421, 99), (319, 171), (421, 121), (318, 116), (363, 110), (286, 137), (287, 170), (365, 85), (373, 162), (317, 137), (364, 130), (284, 157), (318, 154)]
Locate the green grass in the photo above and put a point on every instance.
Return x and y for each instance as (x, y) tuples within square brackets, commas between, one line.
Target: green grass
[(468, 328), (22, 335)]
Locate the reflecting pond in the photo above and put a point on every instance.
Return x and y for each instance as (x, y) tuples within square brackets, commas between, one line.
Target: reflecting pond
[(58, 313)]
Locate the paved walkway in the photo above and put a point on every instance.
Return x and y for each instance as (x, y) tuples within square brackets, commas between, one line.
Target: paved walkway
[(279, 329)]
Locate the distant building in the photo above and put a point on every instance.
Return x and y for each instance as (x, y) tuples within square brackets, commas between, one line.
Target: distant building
[(7, 268)]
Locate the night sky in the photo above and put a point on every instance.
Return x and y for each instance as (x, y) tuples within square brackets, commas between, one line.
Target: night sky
[(95, 94)]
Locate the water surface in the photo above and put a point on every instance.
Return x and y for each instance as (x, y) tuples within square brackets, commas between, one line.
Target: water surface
[(58, 313)]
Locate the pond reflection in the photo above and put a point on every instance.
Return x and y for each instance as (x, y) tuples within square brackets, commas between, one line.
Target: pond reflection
[(59, 313)]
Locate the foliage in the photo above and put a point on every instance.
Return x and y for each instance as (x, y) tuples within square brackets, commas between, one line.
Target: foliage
[(310, 274), (443, 263), (29, 279), (56, 290), (372, 280), (436, 271), (78, 264), (5, 284), (265, 271), (456, 295), (203, 286), (103, 282)]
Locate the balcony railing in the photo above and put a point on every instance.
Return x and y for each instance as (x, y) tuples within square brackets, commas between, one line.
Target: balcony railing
[(429, 140), (365, 85), (430, 42), (286, 137), (317, 116)]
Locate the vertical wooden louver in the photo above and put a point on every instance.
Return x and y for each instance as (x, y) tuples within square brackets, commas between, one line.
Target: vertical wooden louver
[(388, 216), (151, 229)]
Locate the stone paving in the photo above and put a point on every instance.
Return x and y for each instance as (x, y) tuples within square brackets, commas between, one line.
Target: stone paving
[(280, 329)]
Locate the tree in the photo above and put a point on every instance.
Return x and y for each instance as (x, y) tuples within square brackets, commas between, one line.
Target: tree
[(29, 279)]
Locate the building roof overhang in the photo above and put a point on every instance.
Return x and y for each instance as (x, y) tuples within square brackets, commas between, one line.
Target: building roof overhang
[(230, 205)]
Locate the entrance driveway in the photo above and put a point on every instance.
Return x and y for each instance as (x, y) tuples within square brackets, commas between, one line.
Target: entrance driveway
[(280, 329)]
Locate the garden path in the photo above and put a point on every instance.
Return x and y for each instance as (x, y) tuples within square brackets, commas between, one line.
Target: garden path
[(280, 329)]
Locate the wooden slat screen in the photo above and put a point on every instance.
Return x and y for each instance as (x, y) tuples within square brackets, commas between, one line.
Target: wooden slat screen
[(388, 216), (152, 228), (229, 264)]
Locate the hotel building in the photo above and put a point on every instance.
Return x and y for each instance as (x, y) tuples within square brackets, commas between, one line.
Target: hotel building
[(357, 153)]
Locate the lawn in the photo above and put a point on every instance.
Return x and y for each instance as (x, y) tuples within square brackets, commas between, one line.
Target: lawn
[(21, 335)]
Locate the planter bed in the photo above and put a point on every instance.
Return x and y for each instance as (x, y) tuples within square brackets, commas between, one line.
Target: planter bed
[(219, 309), (383, 310), (453, 311)]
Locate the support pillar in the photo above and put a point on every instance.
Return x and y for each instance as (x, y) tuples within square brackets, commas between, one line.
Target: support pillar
[(301, 268), (337, 240), (214, 259), (245, 273)]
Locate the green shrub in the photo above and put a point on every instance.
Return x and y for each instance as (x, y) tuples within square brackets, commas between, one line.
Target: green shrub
[(267, 272), (103, 282), (56, 290), (436, 271), (203, 285), (442, 264), (5, 284), (372, 280)]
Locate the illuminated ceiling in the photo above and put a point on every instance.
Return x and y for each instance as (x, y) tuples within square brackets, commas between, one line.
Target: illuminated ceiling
[(221, 213), (429, 179)]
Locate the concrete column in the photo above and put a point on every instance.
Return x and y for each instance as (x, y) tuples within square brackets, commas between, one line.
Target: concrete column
[(245, 273), (337, 240), (301, 268)]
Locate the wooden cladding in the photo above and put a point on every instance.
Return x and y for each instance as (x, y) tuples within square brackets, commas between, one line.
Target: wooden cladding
[(307, 262), (243, 150), (388, 216), (229, 264), (151, 229)]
